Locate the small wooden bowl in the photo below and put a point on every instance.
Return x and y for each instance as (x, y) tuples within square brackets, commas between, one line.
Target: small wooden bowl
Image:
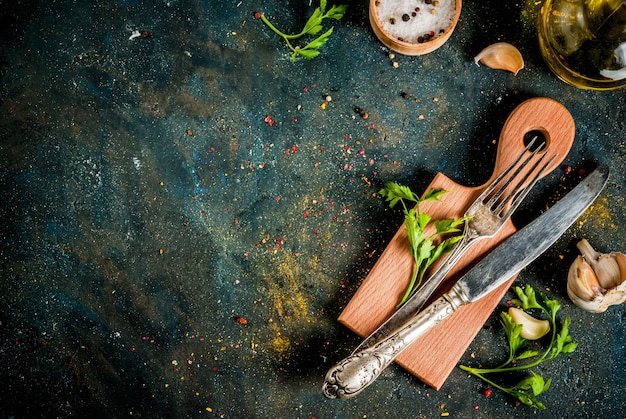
[(411, 48)]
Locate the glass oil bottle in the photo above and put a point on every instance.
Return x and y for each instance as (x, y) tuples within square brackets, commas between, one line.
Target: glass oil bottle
[(584, 41)]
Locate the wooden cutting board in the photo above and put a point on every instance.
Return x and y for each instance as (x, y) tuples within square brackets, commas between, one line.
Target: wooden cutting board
[(433, 357)]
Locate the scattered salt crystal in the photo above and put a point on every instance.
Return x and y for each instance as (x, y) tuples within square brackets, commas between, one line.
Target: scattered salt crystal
[(408, 20)]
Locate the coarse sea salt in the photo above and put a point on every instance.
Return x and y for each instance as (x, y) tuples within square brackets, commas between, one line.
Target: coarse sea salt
[(415, 21)]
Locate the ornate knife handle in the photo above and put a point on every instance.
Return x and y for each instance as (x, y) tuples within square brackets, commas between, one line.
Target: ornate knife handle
[(352, 375)]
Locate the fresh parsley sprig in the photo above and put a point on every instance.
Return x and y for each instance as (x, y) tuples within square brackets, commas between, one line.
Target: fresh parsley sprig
[(312, 27), (527, 390), (421, 245)]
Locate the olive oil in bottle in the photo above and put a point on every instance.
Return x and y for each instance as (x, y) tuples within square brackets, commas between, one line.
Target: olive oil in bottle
[(584, 41)]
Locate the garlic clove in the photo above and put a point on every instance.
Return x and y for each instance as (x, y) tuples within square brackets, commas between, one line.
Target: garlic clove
[(605, 266), (607, 270), (582, 282), (620, 258), (532, 328), (501, 56)]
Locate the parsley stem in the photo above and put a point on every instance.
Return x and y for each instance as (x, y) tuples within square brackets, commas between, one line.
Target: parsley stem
[(488, 381), (410, 289), (480, 371), (283, 35), (279, 33)]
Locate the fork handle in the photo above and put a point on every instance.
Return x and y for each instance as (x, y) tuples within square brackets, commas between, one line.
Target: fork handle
[(353, 374)]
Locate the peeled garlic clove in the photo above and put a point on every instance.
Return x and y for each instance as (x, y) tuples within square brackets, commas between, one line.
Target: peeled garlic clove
[(605, 266), (598, 284), (501, 56), (532, 328), (582, 282)]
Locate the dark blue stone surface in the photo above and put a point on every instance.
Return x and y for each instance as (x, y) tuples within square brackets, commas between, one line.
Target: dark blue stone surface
[(167, 251)]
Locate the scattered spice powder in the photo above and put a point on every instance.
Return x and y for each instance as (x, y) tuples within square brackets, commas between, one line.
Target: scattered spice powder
[(598, 214)]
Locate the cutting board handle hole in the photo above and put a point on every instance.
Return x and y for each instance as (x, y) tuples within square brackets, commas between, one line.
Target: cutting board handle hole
[(542, 140)]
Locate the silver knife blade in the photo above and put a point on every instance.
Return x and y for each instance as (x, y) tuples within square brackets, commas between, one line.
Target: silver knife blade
[(350, 376), (411, 308)]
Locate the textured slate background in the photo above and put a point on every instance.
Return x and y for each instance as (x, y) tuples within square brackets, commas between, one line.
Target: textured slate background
[(166, 252)]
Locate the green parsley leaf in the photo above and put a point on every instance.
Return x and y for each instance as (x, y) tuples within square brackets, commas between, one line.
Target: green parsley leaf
[(395, 193), (534, 382), (527, 354), (512, 331), (433, 194), (318, 42), (314, 24), (308, 54), (336, 12)]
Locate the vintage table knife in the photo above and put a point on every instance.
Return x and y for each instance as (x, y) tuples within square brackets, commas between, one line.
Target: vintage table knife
[(353, 374)]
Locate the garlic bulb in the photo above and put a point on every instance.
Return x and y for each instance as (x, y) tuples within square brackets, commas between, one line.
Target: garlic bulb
[(532, 328), (501, 56), (595, 280)]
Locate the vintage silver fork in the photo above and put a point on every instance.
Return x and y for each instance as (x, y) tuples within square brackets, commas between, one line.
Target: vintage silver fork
[(487, 214)]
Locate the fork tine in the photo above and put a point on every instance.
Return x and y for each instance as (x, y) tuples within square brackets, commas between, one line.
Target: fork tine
[(509, 197), (487, 192), (502, 188), (520, 197)]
